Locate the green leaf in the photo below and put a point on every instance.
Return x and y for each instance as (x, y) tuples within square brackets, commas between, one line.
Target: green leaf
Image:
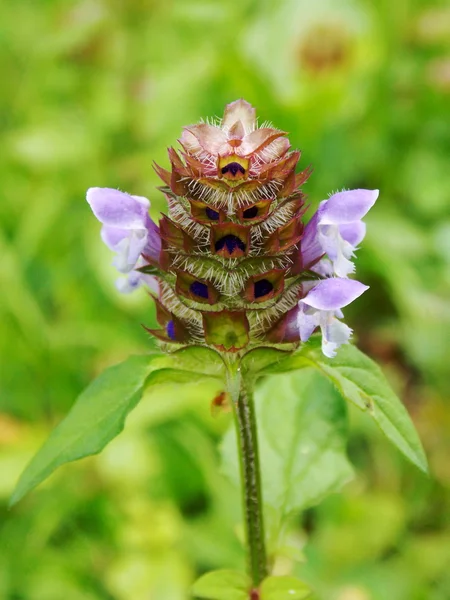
[(224, 584), (175, 376), (284, 588), (95, 419), (195, 359), (259, 359), (99, 414), (297, 360), (361, 381), (302, 428)]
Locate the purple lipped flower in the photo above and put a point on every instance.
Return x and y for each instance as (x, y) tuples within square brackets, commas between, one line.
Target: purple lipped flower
[(335, 231), (321, 307), (135, 279), (128, 231)]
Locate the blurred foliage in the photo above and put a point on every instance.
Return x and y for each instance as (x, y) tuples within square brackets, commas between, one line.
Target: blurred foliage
[(92, 92)]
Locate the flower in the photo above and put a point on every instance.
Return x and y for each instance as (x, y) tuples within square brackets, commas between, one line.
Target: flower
[(335, 230), (135, 279), (128, 231), (237, 135), (321, 307), (231, 264)]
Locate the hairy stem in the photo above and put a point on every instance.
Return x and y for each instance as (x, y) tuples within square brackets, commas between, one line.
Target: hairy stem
[(244, 417)]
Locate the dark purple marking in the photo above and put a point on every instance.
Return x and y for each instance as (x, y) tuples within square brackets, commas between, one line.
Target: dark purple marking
[(234, 168), (262, 288), (213, 215), (170, 329), (199, 289), (230, 242), (251, 213)]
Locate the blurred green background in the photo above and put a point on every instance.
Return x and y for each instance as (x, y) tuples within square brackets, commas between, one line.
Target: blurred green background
[(92, 92)]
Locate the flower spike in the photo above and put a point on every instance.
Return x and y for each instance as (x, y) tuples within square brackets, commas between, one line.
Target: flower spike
[(233, 265)]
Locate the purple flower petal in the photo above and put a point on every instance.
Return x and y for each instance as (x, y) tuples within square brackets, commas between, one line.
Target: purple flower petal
[(135, 280), (112, 236), (334, 293), (137, 244), (336, 229), (334, 334), (353, 233), (153, 246), (306, 322), (127, 227), (291, 326), (117, 209), (324, 268), (346, 207), (126, 285), (331, 241), (310, 247)]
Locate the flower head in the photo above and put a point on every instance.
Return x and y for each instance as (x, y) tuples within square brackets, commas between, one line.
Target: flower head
[(232, 264)]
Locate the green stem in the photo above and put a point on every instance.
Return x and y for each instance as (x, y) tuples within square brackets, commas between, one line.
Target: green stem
[(244, 417)]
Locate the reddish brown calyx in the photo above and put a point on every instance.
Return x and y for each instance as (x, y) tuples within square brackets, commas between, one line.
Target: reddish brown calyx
[(176, 178), (254, 213), (173, 235), (286, 329), (172, 329), (205, 214), (226, 330), (293, 181), (230, 240), (265, 286), (298, 267), (197, 168), (196, 289), (172, 179), (286, 236), (281, 168)]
